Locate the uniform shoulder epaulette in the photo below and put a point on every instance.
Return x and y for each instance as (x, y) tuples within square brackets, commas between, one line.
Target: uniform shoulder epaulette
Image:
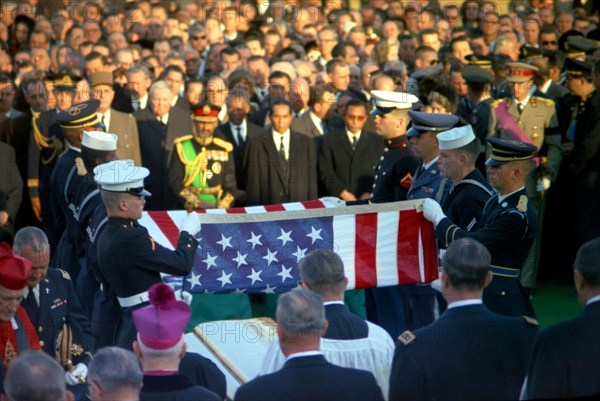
[(522, 205), (407, 337), (549, 102), (531, 321), (64, 274), (224, 144), (183, 138), (81, 170)]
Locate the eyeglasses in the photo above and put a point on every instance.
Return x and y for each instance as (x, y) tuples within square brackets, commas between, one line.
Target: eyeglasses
[(199, 37), (359, 118), (549, 42), (434, 62)]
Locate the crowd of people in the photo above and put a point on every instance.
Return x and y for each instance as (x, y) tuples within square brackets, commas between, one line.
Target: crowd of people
[(489, 115)]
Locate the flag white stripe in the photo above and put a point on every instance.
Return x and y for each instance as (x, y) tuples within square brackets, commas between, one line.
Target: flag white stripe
[(255, 209), (344, 244), (387, 248), (421, 258), (293, 206)]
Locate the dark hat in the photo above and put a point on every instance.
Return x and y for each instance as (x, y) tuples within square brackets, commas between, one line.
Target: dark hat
[(484, 62), (122, 176), (528, 53), (581, 43), (161, 324), (476, 75), (66, 82), (80, 115), (15, 269), (578, 68), (594, 34), (206, 112), (562, 40), (504, 151), (520, 72), (22, 18), (429, 122), (385, 102)]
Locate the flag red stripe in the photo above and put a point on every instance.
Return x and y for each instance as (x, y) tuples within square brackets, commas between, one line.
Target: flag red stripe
[(166, 225), (364, 250), (408, 247), (429, 249), (274, 208), (313, 204)]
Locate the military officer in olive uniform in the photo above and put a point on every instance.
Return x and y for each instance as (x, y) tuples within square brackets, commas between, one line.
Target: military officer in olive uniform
[(394, 174), (530, 117), (203, 173), (507, 227), (53, 307)]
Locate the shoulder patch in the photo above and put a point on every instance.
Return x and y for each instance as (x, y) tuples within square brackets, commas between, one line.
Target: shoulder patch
[(64, 274), (522, 205), (407, 337), (531, 321), (406, 181), (224, 144), (183, 138)]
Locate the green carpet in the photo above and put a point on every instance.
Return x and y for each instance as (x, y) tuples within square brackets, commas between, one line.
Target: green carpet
[(554, 303)]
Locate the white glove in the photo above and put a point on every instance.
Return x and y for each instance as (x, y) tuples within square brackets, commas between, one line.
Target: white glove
[(436, 285), (543, 184), (433, 211), (77, 376), (190, 223), (186, 297), (332, 201)]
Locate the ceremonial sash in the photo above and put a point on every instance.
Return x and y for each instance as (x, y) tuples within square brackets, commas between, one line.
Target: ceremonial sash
[(190, 154), (509, 124)]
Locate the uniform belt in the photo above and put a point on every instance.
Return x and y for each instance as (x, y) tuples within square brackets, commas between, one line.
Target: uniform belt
[(140, 298), (505, 272), (134, 300)]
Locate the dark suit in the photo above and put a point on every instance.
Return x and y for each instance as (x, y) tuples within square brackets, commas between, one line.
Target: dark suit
[(270, 180), (125, 127), (183, 104), (564, 361), (311, 378), (342, 168), (156, 144), (343, 324), (203, 372), (252, 131), (305, 125), (175, 387), (507, 229), (11, 190), (58, 305), (469, 353)]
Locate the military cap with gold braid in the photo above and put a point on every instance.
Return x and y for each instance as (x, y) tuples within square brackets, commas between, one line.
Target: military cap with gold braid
[(504, 151), (80, 115), (66, 82), (577, 68), (484, 62), (206, 112), (520, 72)]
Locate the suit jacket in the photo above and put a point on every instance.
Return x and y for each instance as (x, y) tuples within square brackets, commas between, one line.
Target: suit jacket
[(203, 372), (270, 180), (59, 305), (252, 131), (305, 125), (341, 167), (11, 188), (311, 378), (174, 388), (125, 127), (454, 359), (183, 104), (564, 361), (156, 145), (343, 324)]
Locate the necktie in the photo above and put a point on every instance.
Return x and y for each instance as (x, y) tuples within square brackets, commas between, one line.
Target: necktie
[(282, 149), (34, 307), (239, 138), (520, 107), (324, 127), (104, 123), (135, 104), (354, 142)]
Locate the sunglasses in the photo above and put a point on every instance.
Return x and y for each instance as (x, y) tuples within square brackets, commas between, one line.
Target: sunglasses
[(199, 37), (549, 42)]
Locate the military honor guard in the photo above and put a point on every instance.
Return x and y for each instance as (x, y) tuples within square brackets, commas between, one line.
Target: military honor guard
[(530, 117), (432, 364), (507, 227), (54, 309), (129, 260), (160, 347), (394, 174), (202, 175), (66, 181), (427, 183), (17, 334)]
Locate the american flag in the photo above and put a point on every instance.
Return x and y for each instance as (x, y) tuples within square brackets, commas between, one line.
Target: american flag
[(257, 249)]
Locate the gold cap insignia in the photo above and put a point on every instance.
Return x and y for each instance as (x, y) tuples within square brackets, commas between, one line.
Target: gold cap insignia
[(76, 110), (206, 109)]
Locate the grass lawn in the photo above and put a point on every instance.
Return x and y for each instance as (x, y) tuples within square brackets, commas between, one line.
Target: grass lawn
[(554, 303)]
